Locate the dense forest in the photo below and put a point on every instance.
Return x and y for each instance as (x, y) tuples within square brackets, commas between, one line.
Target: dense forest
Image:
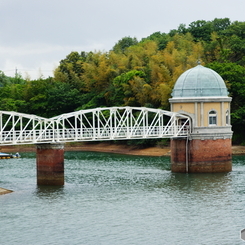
[(137, 73)]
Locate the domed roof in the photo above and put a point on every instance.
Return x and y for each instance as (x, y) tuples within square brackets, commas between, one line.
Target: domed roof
[(200, 82)]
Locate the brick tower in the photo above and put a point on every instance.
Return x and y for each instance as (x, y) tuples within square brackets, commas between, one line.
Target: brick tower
[(201, 94)]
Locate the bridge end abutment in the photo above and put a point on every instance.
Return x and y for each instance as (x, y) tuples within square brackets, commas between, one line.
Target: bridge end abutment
[(50, 164), (201, 156)]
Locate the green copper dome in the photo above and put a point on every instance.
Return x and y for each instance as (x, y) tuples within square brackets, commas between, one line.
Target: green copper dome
[(200, 82)]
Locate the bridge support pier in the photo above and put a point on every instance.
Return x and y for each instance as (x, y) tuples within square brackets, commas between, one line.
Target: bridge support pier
[(201, 156), (50, 164)]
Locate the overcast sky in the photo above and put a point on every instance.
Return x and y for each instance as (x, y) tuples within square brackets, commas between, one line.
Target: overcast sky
[(36, 35)]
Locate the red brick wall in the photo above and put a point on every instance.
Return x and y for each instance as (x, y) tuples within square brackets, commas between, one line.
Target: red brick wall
[(50, 165), (203, 155)]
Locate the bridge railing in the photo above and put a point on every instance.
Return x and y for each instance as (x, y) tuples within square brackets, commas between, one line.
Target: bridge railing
[(89, 125), (89, 134)]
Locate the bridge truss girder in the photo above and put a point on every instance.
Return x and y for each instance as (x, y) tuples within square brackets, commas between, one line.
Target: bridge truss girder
[(113, 123)]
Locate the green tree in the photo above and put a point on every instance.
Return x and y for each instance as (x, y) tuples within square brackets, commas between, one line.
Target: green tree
[(4, 80), (120, 93), (71, 69), (219, 25), (11, 93), (61, 98), (200, 30), (124, 43), (160, 38)]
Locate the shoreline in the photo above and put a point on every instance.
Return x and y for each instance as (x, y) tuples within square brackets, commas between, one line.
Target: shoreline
[(4, 191), (111, 148)]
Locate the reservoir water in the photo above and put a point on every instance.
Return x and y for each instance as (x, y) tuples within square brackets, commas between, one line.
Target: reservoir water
[(116, 199)]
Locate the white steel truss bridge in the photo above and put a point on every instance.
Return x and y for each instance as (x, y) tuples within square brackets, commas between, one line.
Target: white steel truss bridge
[(113, 123)]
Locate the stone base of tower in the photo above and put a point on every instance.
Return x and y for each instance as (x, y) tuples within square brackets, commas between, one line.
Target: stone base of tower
[(50, 164), (201, 156)]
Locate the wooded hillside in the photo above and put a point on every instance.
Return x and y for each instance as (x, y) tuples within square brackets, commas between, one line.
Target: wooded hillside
[(137, 73)]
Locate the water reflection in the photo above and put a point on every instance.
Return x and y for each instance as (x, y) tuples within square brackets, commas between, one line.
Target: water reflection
[(216, 185), (202, 182), (49, 192)]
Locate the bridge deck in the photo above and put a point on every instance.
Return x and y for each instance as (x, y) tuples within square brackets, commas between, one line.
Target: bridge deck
[(115, 123)]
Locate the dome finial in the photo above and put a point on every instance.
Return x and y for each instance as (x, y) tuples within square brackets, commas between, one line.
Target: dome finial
[(199, 61)]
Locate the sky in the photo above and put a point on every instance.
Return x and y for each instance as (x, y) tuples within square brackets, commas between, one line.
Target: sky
[(36, 35)]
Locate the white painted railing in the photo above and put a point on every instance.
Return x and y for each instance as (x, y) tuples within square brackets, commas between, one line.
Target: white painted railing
[(115, 123)]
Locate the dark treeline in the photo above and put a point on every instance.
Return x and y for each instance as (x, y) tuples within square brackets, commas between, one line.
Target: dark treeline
[(136, 73)]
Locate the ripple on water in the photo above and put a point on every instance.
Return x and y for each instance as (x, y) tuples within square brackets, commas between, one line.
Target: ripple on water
[(115, 199)]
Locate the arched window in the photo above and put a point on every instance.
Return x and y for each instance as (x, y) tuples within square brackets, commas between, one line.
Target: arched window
[(212, 118), (227, 117)]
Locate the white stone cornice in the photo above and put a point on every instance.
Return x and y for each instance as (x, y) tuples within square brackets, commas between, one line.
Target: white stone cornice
[(199, 99)]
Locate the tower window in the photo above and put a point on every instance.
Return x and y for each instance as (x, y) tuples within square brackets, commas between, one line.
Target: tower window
[(227, 117), (212, 117)]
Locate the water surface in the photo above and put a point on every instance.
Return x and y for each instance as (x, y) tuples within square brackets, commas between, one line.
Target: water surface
[(118, 199)]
